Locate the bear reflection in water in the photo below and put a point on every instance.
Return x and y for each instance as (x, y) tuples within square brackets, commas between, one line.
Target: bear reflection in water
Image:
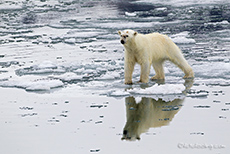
[(150, 113), (146, 114)]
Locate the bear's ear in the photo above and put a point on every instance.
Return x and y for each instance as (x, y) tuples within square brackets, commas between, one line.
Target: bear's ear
[(119, 32), (135, 33)]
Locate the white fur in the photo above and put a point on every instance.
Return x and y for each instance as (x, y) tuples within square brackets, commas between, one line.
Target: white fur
[(151, 49), (146, 114)]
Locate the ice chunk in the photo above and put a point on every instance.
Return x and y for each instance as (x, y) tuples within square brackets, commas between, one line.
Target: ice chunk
[(10, 7), (130, 14), (118, 93), (182, 38), (110, 75), (131, 24), (45, 65), (161, 9), (180, 3), (167, 92), (31, 84), (160, 89), (215, 70), (224, 22), (43, 85), (68, 77), (79, 70)]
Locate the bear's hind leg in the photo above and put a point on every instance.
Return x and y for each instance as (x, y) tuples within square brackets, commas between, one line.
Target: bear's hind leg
[(159, 71), (184, 66), (189, 74)]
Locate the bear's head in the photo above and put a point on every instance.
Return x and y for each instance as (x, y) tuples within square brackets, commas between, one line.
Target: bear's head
[(131, 133), (126, 36)]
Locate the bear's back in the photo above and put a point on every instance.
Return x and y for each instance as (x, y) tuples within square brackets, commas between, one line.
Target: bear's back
[(157, 37)]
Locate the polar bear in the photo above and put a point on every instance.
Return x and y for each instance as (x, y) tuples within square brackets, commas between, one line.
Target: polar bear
[(151, 49), (146, 114)]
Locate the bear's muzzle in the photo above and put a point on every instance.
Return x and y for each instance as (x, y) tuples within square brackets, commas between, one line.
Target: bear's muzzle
[(122, 42)]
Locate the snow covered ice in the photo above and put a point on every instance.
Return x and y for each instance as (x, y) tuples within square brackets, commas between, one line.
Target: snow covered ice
[(160, 89)]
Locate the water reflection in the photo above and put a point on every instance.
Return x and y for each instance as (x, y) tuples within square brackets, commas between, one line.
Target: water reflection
[(146, 114), (149, 113)]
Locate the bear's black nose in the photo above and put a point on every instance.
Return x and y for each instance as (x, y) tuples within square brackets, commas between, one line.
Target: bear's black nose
[(122, 42)]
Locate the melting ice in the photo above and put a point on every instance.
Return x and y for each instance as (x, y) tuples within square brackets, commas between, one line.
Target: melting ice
[(56, 44)]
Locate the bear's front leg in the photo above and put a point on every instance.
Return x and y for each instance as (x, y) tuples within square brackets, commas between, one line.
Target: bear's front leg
[(145, 69), (129, 67)]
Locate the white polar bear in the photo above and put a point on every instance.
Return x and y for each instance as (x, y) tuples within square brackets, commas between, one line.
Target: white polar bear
[(151, 49)]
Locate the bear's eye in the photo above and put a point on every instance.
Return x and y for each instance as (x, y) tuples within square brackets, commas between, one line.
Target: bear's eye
[(127, 35)]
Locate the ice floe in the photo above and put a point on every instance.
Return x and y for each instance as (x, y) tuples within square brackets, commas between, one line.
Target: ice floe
[(10, 7), (213, 70), (110, 75), (130, 14), (182, 38), (161, 9), (32, 83), (68, 77), (45, 65), (159, 89), (167, 92), (182, 2), (224, 22)]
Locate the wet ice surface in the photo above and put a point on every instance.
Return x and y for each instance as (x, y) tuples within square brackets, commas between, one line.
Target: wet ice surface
[(62, 68)]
